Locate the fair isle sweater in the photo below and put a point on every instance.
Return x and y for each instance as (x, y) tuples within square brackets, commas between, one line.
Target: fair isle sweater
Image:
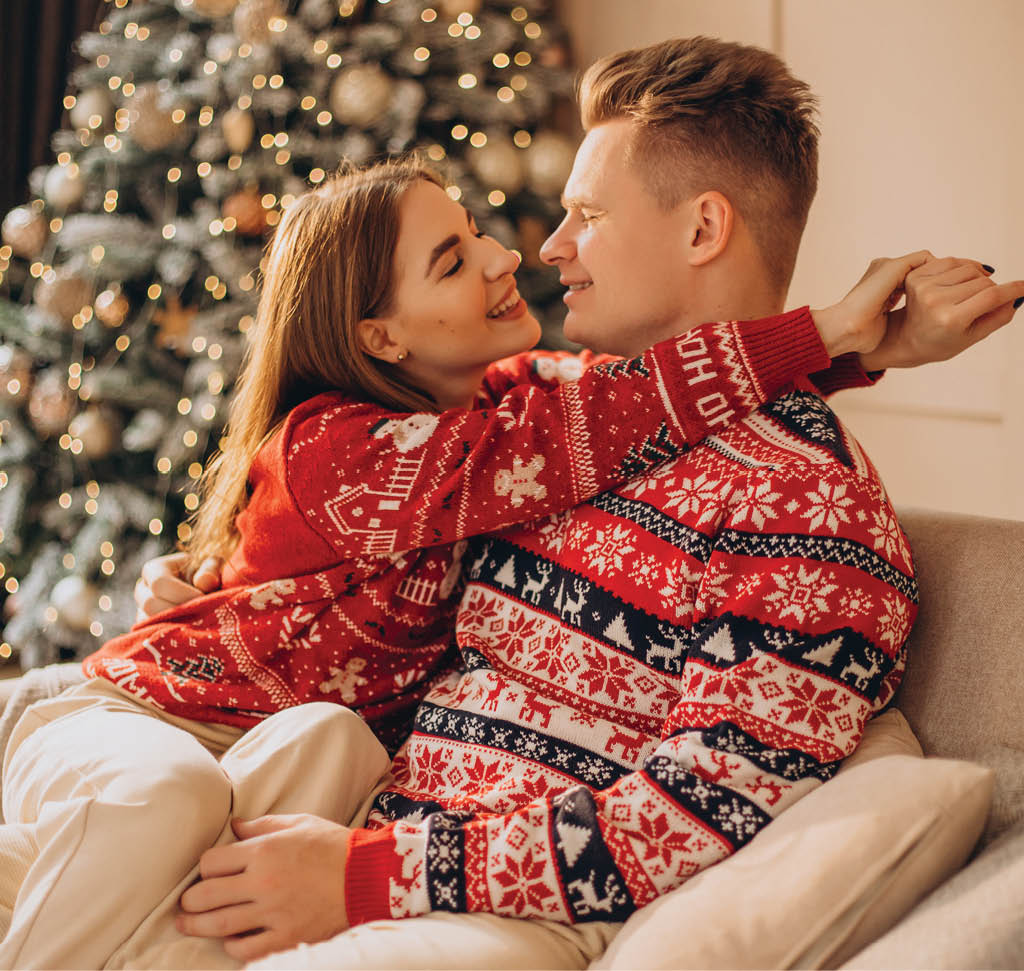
[(345, 581), (649, 678)]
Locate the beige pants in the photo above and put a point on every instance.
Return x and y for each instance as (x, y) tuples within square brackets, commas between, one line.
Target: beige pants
[(453, 942), (110, 805)]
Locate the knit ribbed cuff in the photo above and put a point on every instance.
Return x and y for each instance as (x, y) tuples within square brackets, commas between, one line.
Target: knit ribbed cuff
[(780, 349), (369, 866), (846, 372)]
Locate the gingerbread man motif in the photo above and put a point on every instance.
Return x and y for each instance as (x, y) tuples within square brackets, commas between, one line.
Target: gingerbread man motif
[(519, 482)]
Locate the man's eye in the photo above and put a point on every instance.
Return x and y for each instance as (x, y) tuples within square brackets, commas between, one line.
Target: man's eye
[(456, 266)]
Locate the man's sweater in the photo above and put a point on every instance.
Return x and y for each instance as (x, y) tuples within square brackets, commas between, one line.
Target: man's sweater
[(649, 678), (345, 581)]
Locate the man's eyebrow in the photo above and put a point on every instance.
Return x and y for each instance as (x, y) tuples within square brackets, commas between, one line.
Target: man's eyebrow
[(446, 244)]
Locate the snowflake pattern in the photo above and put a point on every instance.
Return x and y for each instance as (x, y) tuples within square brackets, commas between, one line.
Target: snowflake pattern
[(609, 546), (699, 498), (829, 506), (756, 506), (894, 622), (802, 594)]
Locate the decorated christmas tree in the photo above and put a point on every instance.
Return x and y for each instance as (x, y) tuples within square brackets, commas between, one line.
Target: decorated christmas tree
[(130, 278)]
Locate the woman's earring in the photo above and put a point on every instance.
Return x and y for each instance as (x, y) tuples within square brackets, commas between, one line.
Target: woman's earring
[(401, 355)]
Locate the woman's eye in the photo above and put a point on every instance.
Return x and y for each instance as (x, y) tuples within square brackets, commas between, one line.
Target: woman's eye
[(456, 266)]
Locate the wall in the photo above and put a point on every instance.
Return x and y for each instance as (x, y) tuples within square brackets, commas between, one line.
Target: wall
[(922, 143)]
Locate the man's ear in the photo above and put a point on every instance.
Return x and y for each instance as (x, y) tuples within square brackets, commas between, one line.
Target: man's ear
[(711, 226), (375, 338)]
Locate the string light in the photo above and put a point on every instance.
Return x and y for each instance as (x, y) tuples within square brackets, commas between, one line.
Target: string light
[(496, 197), (429, 15), (501, 60), (68, 561), (185, 404), (455, 30), (478, 139), (532, 31), (523, 59), (473, 33), (156, 527)]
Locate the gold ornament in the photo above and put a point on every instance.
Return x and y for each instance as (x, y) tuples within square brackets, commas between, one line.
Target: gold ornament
[(452, 8), (99, 431), (360, 95), (175, 324), (149, 119), (252, 20), (498, 164), (15, 374), (211, 9), (112, 307), (93, 110), (25, 230), (238, 127), (75, 601), (549, 161), (63, 293), (247, 210), (50, 403), (63, 186)]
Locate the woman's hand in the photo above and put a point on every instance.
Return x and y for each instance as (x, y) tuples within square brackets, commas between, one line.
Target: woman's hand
[(283, 884), (163, 584), (951, 304), (858, 322)]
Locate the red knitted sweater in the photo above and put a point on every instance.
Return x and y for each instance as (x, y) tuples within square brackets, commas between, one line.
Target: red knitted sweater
[(345, 581)]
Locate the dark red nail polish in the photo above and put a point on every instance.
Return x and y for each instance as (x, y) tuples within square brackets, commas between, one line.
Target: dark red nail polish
[(1018, 302), (987, 268)]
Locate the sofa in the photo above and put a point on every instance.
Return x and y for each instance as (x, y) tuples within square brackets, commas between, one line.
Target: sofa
[(899, 861)]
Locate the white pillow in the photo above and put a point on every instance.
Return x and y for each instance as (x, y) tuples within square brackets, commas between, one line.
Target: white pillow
[(827, 877)]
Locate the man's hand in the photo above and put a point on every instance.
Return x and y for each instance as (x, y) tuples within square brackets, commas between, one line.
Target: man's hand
[(283, 884), (162, 584), (951, 304), (858, 322)]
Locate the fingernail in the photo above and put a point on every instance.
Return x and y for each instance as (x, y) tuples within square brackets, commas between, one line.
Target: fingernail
[(1018, 302), (987, 268)]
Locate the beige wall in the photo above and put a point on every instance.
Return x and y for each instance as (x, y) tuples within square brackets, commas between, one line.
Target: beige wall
[(922, 106)]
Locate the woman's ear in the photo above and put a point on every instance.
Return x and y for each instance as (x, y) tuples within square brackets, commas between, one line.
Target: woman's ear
[(712, 219), (375, 338)]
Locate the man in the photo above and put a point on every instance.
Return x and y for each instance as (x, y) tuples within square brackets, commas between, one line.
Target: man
[(651, 677)]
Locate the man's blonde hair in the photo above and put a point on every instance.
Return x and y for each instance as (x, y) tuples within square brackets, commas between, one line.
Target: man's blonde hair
[(711, 114)]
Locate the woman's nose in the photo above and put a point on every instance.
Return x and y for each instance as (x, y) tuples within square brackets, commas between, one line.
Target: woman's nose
[(502, 260)]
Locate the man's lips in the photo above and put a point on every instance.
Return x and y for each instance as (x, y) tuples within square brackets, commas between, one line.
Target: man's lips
[(574, 287)]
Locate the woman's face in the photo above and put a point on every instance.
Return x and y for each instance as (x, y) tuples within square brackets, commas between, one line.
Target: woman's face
[(456, 307)]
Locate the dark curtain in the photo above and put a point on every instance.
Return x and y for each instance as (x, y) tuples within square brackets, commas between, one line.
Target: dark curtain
[(36, 38)]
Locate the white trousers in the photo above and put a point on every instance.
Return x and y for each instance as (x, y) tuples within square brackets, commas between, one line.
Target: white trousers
[(110, 805), (453, 942)]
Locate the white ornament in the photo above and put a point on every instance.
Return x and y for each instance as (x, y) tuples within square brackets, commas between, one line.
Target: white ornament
[(74, 600), (98, 430), (25, 230), (93, 109), (238, 127), (499, 165), (63, 186), (360, 95), (549, 161)]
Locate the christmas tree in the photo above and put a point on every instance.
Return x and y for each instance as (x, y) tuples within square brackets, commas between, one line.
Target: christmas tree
[(130, 278)]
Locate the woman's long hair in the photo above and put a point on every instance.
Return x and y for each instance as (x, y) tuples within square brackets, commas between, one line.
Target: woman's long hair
[(329, 265)]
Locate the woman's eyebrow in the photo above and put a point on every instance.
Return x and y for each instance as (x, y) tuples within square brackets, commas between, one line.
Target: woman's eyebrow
[(446, 244)]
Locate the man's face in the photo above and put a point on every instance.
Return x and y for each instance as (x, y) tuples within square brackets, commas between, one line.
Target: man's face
[(619, 252)]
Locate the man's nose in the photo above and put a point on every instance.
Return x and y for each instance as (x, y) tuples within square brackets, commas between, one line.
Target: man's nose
[(558, 246)]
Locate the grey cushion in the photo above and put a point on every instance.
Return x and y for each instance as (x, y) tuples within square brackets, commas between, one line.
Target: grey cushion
[(974, 920)]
